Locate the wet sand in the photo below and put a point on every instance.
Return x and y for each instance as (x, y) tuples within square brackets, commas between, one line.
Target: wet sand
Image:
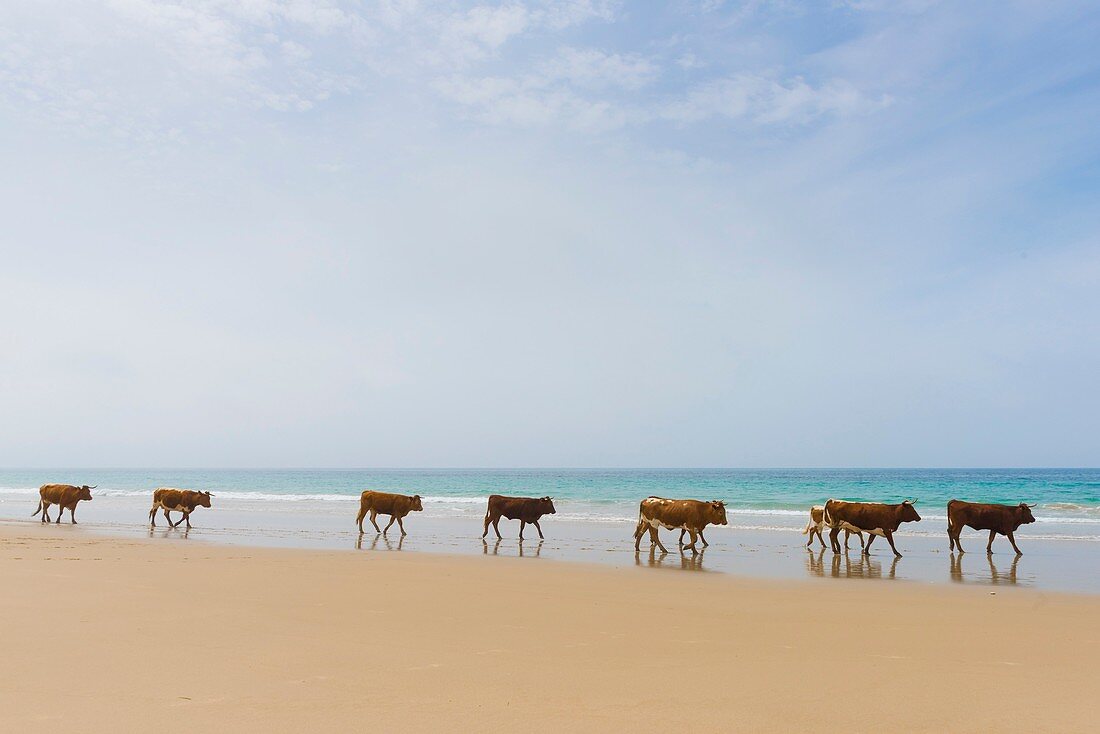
[(108, 634), (1054, 565)]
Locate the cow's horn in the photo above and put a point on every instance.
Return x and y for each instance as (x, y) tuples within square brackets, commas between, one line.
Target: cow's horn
[(93, 486)]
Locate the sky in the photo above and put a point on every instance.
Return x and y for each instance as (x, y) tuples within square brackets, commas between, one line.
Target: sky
[(583, 233)]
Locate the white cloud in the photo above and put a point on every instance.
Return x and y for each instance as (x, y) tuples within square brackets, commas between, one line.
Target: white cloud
[(597, 69), (766, 100)]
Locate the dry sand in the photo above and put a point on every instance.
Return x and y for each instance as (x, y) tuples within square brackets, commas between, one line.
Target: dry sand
[(109, 635)]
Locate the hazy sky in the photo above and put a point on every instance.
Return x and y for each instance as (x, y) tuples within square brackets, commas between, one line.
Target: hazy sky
[(549, 233)]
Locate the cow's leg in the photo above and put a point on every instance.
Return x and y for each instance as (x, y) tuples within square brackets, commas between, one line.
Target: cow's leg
[(187, 517), (522, 525), (693, 534), (373, 520), (485, 531), (1013, 541), (72, 515), (60, 512), (890, 539), (539, 528), (389, 524), (496, 527), (153, 517), (811, 539), (45, 511), (638, 533), (705, 543), (654, 538), (834, 539), (867, 548), (820, 537), (402, 526), (989, 545), (680, 542), (168, 518), (177, 522), (847, 537)]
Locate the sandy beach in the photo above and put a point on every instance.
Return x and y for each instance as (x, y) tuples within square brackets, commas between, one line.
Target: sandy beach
[(105, 634)]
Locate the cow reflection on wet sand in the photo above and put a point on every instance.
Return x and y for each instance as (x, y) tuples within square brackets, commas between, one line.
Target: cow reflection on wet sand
[(847, 566), (682, 561), (388, 544), (976, 574), (526, 550)]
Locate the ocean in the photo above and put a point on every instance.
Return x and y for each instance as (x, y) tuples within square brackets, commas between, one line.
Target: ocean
[(596, 512), (1068, 500)]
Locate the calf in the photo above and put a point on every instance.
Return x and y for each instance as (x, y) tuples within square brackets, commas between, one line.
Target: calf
[(65, 496), (177, 500), (689, 516), (524, 509), (871, 517), (1003, 519), (394, 505), (817, 522)]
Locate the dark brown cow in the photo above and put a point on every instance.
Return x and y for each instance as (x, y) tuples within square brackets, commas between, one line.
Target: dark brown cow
[(65, 496), (686, 515), (870, 517), (177, 500), (1003, 519), (524, 509), (394, 505)]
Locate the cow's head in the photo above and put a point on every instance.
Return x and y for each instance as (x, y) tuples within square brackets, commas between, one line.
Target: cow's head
[(416, 506), (204, 498), (546, 504), (86, 492), (716, 513), (1023, 514), (908, 512)]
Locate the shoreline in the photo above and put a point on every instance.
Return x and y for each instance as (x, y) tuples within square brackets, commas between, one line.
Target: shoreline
[(193, 636), (1048, 565)]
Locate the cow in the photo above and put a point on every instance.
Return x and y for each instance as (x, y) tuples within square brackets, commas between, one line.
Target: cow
[(394, 505), (817, 522), (65, 496), (689, 516), (524, 509), (177, 500), (870, 517), (1003, 519)]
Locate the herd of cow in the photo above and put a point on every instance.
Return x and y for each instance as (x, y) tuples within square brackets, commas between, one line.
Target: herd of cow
[(690, 517)]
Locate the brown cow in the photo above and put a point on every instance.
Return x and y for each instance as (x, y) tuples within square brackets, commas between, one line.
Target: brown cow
[(394, 505), (817, 522), (524, 509), (177, 500), (870, 517), (65, 496), (1003, 519), (687, 515)]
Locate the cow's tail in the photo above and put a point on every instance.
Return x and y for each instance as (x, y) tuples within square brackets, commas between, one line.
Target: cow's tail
[(950, 526), (35, 513), (826, 516), (810, 525)]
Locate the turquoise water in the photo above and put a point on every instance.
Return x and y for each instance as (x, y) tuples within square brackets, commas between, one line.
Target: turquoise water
[(1068, 498)]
